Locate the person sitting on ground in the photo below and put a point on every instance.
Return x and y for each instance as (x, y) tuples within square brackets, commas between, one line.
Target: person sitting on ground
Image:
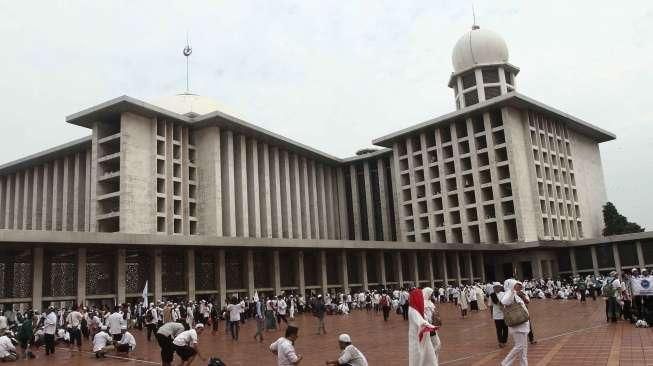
[(127, 343), (186, 345), (350, 356), (284, 348), (7, 348), (102, 342)]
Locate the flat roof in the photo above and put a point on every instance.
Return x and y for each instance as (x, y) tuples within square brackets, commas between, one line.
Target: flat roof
[(46, 155), (511, 99)]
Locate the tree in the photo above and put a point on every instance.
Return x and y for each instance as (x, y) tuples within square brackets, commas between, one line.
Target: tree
[(616, 223)]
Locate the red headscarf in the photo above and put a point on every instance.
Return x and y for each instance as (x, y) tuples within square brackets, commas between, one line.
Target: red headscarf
[(416, 301)]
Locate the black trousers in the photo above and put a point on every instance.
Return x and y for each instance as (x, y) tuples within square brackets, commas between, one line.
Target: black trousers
[(76, 336), (502, 330), (233, 328), (386, 313), (404, 310), (167, 349), (151, 328), (48, 340)]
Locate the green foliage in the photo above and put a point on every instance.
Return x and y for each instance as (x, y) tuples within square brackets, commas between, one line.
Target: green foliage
[(616, 224)]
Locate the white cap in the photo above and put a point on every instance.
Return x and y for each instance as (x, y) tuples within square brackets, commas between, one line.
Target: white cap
[(123, 327), (104, 327), (344, 338), (199, 326)]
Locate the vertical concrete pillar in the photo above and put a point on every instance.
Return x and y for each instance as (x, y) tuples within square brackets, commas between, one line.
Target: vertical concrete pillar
[(595, 260), (482, 269), (640, 254), (36, 209), (415, 265), (76, 189), (572, 258), (266, 192), (301, 280), (355, 200), (46, 201), (81, 276), (305, 203), (121, 276), (65, 204), (383, 195), (342, 207), (276, 202), (277, 272), (536, 263), (382, 275), (363, 270), (323, 271), (458, 274), (344, 274), (37, 278), (429, 270), (399, 269), (222, 278), (369, 202), (445, 271), (253, 193), (190, 273), (297, 198), (249, 259), (617, 259), (470, 263), (158, 277)]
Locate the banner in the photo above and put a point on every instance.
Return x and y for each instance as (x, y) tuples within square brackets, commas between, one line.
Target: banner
[(642, 286), (145, 295)]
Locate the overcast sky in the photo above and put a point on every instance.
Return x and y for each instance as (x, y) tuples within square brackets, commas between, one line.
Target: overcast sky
[(332, 75)]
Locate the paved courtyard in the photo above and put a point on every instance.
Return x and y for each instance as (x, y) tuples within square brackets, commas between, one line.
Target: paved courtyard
[(568, 333)]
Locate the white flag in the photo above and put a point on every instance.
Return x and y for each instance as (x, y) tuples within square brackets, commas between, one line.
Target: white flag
[(145, 295), (255, 297)]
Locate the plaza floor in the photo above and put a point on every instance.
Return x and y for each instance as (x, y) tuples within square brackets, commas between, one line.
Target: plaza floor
[(568, 333)]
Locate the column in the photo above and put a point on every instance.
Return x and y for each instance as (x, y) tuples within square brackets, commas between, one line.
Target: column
[(385, 211), (445, 272), (37, 278), (249, 259), (355, 200), (415, 265), (572, 258), (344, 275), (81, 276), (617, 259), (595, 260), (481, 261), (399, 269), (369, 202), (458, 275), (300, 273), (429, 270), (382, 276), (222, 278), (536, 263), (470, 263), (121, 281), (363, 270), (277, 272), (158, 278), (640, 254), (323, 271), (190, 273)]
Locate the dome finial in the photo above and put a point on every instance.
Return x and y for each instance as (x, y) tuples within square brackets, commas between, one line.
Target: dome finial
[(187, 52), (474, 26)]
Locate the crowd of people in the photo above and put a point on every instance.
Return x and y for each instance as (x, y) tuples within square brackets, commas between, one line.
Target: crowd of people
[(177, 326)]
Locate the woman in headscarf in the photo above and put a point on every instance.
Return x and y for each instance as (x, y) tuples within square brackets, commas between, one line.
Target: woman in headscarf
[(420, 348), (432, 315), (519, 332), (463, 301)]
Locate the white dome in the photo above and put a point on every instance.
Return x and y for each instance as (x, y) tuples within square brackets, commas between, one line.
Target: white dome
[(477, 47), (189, 104)]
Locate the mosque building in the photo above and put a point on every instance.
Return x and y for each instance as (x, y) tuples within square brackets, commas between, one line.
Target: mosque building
[(183, 195)]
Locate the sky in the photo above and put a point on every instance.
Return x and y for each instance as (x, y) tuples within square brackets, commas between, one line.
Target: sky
[(332, 75)]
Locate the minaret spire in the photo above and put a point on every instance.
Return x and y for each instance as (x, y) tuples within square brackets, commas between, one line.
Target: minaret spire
[(187, 52), (474, 26)]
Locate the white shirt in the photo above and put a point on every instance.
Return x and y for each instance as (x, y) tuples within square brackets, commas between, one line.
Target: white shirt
[(50, 323), (6, 346), (74, 319), (3, 322), (234, 311), (186, 338), (114, 321), (100, 340), (128, 338), (281, 307), (352, 356), (497, 312), (286, 355)]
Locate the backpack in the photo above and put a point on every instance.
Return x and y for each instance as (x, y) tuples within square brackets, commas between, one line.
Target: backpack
[(384, 301), (607, 290), (148, 316)]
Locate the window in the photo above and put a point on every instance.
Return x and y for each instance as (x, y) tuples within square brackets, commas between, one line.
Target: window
[(469, 79), (490, 76), (471, 98), (492, 92)]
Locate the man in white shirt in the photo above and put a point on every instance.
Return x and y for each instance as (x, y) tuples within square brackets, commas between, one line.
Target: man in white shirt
[(49, 328), (164, 336), (284, 348), (281, 311), (7, 350), (127, 343), (186, 345), (102, 342), (234, 309), (73, 323), (151, 320), (350, 355), (114, 322)]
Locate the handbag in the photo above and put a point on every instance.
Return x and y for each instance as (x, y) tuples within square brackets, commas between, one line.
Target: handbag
[(515, 314)]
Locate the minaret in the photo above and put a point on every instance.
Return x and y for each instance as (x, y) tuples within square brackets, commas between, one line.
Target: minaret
[(481, 68)]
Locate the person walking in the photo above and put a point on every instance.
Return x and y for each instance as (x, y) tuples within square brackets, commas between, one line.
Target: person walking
[(403, 302), (284, 348), (260, 320), (519, 332), (234, 310), (74, 323), (420, 348), (497, 314), (384, 303), (320, 312), (49, 329)]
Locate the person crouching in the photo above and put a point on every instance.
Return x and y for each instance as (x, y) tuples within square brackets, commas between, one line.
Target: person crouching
[(102, 342), (127, 342)]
